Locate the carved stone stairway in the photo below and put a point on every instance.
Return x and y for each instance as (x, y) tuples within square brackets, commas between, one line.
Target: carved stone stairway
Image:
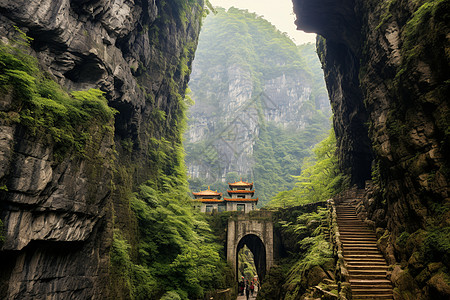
[(364, 261)]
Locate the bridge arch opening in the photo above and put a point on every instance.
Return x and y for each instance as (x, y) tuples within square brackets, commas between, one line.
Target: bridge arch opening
[(257, 247)]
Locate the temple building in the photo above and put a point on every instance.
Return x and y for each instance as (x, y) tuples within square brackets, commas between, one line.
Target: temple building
[(240, 194), (209, 200)]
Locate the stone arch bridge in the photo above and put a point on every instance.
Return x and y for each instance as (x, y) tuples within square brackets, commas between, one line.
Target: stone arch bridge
[(254, 229)]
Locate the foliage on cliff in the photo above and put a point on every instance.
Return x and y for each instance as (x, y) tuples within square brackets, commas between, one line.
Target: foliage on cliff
[(279, 156), (246, 263), (319, 180), (176, 252), (236, 45), (42, 106), (306, 257)]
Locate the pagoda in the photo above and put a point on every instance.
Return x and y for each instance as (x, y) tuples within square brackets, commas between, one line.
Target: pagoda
[(209, 200), (241, 194)]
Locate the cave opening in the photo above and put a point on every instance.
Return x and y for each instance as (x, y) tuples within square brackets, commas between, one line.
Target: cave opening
[(256, 258)]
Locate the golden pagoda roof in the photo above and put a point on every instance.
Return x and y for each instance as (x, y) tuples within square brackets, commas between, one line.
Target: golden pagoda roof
[(207, 192), (240, 183)]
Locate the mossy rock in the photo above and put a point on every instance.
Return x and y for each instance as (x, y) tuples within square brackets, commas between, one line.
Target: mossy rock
[(415, 241), (315, 276), (415, 261), (383, 241), (403, 280), (423, 277), (439, 286), (404, 295), (433, 267)]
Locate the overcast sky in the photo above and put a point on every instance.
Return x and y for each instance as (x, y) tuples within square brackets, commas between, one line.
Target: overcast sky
[(277, 12)]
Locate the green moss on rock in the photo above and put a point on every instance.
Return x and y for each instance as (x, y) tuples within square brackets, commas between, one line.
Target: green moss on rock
[(45, 108)]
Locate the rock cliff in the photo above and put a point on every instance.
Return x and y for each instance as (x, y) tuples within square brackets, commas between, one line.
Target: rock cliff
[(386, 65), (58, 208)]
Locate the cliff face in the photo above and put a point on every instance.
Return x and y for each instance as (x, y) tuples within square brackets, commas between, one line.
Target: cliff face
[(58, 209), (232, 126), (386, 65)]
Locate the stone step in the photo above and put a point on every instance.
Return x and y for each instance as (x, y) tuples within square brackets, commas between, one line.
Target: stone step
[(362, 261), (354, 242), (368, 276), (360, 252), (361, 238), (375, 297), (354, 227), (371, 282), (360, 247), (367, 268), (351, 222), (375, 291), (356, 236), (347, 234), (360, 243), (363, 256), (371, 287), (357, 233), (373, 264), (353, 271), (360, 235)]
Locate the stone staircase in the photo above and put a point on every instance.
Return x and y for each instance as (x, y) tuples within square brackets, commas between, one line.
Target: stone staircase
[(364, 261)]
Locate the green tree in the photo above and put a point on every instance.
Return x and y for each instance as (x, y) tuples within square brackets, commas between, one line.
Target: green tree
[(177, 255), (319, 180)]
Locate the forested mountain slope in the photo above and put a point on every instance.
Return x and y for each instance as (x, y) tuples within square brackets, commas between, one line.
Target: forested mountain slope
[(260, 104)]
